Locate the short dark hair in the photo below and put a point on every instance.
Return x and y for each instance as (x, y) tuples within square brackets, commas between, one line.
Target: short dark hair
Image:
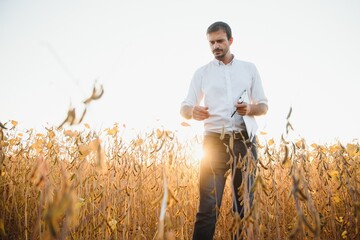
[(216, 26)]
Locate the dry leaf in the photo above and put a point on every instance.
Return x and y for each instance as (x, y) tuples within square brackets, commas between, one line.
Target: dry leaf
[(336, 199), (69, 133), (14, 123), (159, 133), (113, 131), (185, 124), (94, 145), (139, 142)]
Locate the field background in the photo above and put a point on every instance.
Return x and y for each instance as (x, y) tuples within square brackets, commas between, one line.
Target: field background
[(81, 184), (74, 181)]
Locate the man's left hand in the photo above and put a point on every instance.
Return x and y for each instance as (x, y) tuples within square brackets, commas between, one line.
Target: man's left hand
[(243, 108)]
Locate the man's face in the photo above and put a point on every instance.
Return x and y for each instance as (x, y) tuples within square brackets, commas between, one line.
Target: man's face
[(219, 44)]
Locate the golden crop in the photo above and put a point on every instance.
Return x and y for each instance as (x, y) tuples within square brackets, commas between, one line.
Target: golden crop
[(71, 184)]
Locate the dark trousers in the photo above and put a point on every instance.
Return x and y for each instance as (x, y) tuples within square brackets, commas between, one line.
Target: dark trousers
[(212, 181)]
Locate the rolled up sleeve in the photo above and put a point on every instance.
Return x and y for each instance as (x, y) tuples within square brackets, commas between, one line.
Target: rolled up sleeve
[(257, 90), (195, 94)]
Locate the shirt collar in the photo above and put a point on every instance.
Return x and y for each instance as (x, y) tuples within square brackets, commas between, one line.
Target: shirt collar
[(220, 63)]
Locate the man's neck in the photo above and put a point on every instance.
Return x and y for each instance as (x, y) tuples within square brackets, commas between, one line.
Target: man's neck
[(227, 59)]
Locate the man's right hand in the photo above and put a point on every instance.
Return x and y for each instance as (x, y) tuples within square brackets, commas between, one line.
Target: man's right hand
[(200, 113)]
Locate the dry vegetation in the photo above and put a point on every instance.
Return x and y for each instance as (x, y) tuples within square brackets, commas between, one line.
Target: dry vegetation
[(71, 184)]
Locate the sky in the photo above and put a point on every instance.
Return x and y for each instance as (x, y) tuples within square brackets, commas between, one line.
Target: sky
[(144, 53)]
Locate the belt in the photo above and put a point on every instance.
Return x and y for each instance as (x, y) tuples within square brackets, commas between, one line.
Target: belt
[(234, 135)]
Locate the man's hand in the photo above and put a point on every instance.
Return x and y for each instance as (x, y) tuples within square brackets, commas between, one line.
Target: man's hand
[(243, 108), (200, 113)]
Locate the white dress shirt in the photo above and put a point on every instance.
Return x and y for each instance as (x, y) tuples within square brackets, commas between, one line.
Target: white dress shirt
[(220, 86)]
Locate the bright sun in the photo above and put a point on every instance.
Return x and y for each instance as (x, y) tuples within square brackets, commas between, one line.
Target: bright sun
[(197, 153)]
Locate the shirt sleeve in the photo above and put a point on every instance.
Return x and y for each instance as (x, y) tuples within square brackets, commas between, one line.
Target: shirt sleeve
[(257, 90), (195, 93)]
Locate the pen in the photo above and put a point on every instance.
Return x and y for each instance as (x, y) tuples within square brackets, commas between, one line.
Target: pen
[(239, 101)]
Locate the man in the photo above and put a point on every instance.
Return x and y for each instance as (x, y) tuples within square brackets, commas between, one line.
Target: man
[(233, 94)]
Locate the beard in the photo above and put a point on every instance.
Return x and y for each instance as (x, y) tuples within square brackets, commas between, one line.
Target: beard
[(220, 53)]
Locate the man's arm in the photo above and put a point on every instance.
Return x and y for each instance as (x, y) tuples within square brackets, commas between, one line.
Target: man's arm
[(258, 109), (186, 112), (251, 109)]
